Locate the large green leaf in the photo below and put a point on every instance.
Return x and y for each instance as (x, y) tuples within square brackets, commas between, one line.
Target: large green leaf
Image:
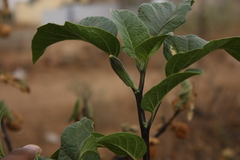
[(149, 47), (155, 95), (124, 144), (161, 18), (103, 37), (73, 138), (132, 30), (182, 60), (89, 149), (100, 22), (181, 44)]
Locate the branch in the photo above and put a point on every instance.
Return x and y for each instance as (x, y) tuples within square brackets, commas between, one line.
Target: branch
[(165, 126), (5, 137)]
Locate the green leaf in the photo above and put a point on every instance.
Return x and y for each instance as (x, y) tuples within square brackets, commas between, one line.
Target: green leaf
[(167, 50), (132, 30), (89, 149), (161, 18), (104, 39), (100, 22), (97, 135), (124, 144), (155, 95), (55, 155), (149, 47), (92, 156), (6, 112), (181, 44), (182, 60), (73, 138)]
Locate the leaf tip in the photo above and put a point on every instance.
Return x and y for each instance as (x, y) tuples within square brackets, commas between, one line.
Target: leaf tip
[(112, 10), (33, 61), (34, 58), (192, 2)]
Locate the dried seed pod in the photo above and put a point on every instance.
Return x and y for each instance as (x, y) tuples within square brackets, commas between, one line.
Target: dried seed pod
[(228, 153), (14, 124), (15, 82), (153, 148), (153, 151), (180, 129), (5, 30), (153, 140), (177, 102)]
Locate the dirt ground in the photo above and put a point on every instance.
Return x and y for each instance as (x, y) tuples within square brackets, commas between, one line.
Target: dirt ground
[(69, 68)]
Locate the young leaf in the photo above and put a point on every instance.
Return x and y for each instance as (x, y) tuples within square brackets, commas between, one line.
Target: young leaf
[(154, 96), (161, 18), (89, 149), (104, 39), (76, 110), (182, 60), (182, 44), (149, 47), (6, 112), (132, 30), (73, 137), (124, 144)]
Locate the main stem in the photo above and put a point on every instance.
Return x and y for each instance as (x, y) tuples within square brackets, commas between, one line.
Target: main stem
[(141, 114)]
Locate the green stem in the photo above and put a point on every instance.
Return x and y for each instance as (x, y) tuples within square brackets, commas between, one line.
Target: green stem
[(141, 114)]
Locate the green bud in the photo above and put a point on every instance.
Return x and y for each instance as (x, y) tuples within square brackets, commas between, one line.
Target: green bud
[(120, 70)]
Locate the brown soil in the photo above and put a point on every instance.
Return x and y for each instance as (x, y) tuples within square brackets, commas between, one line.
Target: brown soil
[(69, 68)]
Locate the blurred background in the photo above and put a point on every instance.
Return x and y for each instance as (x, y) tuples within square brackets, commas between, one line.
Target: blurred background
[(70, 69)]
